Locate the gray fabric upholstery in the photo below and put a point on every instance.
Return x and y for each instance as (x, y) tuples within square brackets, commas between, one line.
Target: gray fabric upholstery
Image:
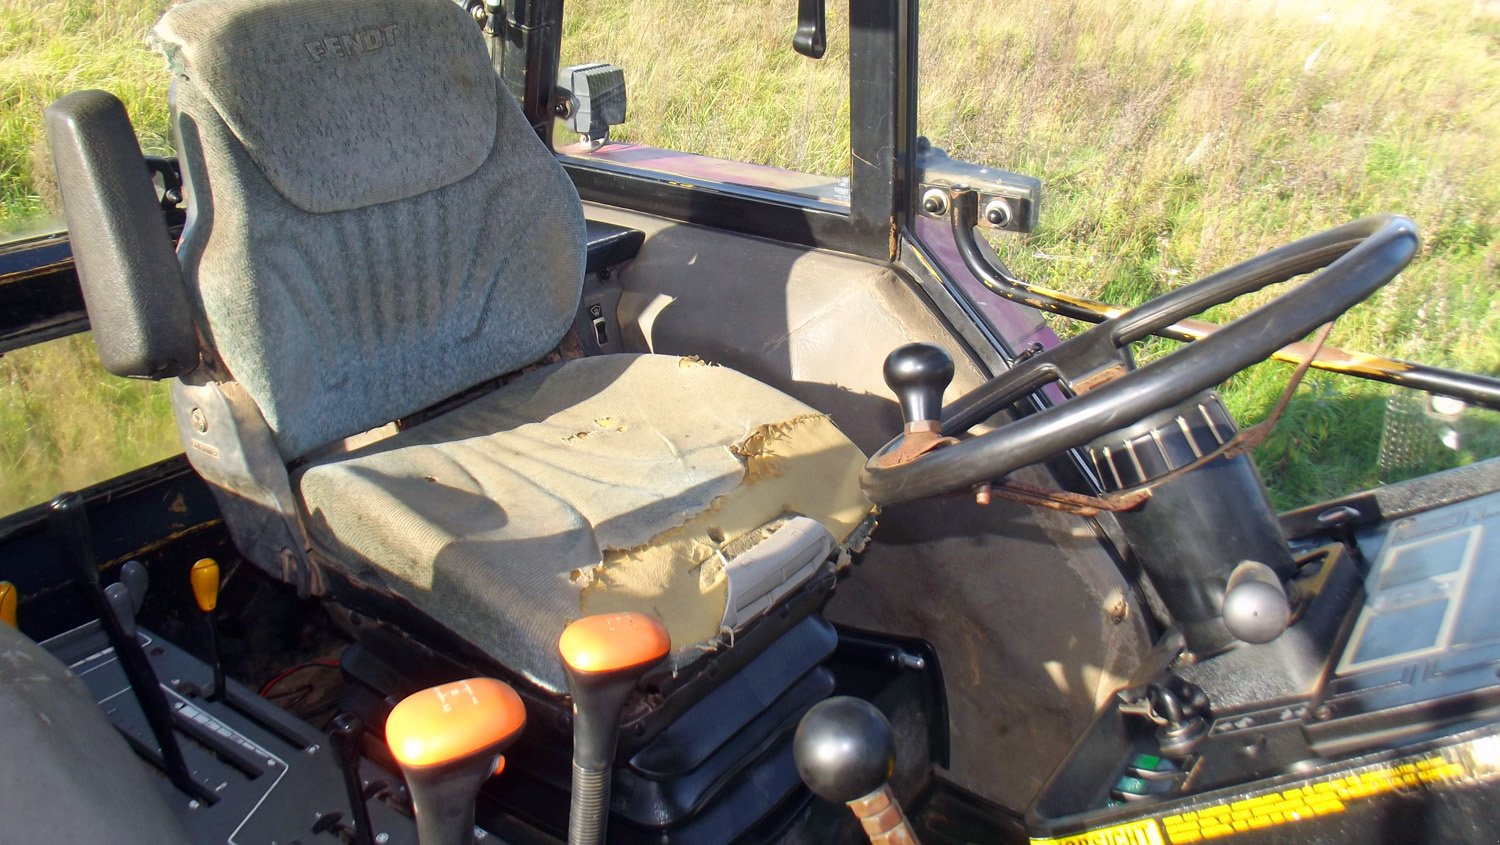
[(351, 260), (342, 105), (485, 516), (69, 776), (336, 323)]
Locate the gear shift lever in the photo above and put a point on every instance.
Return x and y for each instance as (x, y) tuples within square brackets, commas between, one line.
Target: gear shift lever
[(448, 740), (846, 753), (605, 656), (918, 373)]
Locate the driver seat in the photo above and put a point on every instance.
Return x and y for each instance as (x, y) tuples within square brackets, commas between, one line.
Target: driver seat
[(376, 243)]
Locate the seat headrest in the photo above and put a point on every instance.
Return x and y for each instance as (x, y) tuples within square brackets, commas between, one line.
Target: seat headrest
[(342, 103)]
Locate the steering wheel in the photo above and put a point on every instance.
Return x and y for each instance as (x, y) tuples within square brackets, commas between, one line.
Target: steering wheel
[(1110, 393)]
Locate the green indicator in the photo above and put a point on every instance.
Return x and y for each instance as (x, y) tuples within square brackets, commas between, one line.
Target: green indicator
[(1145, 762)]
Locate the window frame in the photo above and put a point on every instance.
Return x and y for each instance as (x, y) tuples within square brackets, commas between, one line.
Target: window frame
[(882, 140)]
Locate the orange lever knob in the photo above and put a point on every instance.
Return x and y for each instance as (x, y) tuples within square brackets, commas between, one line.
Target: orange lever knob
[(8, 602), (449, 722), (611, 642)]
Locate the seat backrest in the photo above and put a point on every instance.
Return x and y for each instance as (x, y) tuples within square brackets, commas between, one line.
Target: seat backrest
[(372, 224)]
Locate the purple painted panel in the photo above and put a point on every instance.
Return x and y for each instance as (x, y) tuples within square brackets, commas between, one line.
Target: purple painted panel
[(1017, 324)]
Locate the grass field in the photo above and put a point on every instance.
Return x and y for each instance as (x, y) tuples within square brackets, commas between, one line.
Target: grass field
[(1173, 139)]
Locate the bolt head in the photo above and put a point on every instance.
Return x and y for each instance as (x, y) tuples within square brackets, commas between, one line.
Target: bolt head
[(997, 213), (935, 201)]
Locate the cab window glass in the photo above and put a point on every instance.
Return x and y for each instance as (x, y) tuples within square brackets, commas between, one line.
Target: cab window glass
[(66, 423), (713, 86), (1177, 139), (50, 49)]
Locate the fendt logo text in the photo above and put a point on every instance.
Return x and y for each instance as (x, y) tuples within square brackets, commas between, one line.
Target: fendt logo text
[(351, 44)]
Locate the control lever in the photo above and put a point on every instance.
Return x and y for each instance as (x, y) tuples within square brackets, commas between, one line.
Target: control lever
[(1256, 609), (128, 594), (123, 604), (68, 524), (811, 37), (918, 373), (846, 752), (9, 600), (205, 580), (345, 733), (133, 576), (448, 740), (605, 656)]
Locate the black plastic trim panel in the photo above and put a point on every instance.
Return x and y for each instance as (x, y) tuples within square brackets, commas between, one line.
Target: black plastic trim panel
[(609, 245), (748, 211), (40, 299), (39, 295)]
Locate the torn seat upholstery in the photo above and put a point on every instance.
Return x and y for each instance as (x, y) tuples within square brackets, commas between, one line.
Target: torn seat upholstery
[(375, 229)]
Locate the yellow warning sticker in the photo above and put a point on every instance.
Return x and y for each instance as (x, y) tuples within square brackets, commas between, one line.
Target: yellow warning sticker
[(1317, 798), (1143, 832), (1475, 761)]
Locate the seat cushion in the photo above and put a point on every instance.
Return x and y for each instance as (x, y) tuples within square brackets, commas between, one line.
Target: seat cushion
[(606, 483)]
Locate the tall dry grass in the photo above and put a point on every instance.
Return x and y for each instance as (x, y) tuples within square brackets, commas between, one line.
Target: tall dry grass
[(65, 423), (1173, 137)]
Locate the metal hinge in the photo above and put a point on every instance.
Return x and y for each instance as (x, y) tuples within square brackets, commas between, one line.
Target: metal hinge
[(1008, 201)]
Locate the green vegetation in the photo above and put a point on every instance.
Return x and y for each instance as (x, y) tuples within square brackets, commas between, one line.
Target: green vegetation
[(49, 48), (1174, 138), (65, 423)]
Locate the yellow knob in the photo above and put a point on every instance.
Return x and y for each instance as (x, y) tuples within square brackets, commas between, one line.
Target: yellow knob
[(8, 599), (205, 577)]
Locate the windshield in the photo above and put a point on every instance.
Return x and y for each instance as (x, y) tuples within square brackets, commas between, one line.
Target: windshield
[(731, 102)]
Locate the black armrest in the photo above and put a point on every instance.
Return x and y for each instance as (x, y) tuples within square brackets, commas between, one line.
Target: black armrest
[(610, 245), (131, 281)]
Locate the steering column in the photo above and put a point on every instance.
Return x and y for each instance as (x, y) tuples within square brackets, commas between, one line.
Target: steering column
[(1150, 423)]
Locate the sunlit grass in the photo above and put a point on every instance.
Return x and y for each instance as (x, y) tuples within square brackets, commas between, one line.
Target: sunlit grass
[(65, 423), (49, 48), (1173, 138)]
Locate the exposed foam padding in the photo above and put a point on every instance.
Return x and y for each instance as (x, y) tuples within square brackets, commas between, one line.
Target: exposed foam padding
[(603, 483), (798, 466)]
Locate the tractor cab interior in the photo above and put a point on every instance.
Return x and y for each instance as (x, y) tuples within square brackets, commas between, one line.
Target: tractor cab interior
[(658, 506)]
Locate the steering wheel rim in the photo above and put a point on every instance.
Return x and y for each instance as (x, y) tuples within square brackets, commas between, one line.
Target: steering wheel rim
[(1355, 259)]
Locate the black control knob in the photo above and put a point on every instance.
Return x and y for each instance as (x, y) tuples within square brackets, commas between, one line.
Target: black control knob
[(1256, 607), (846, 753), (918, 373), (844, 749)]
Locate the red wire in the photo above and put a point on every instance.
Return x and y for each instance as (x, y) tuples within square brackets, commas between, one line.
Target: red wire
[(285, 673)]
